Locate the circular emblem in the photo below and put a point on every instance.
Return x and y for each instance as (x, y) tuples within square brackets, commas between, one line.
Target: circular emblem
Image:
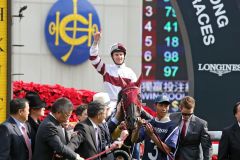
[(69, 30)]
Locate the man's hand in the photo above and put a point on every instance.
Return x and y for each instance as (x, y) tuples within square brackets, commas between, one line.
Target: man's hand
[(74, 133), (97, 37), (135, 132), (140, 122), (58, 156), (124, 134), (149, 129), (67, 125), (123, 125), (79, 158), (117, 144)]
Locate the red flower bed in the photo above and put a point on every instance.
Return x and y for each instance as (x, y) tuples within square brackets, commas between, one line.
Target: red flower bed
[(49, 93)]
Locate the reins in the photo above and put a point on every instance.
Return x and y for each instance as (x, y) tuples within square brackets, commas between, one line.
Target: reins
[(101, 153), (159, 139), (154, 130)]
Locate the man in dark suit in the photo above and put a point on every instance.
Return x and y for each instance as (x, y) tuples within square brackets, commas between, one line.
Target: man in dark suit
[(14, 140), (37, 107), (104, 99), (88, 141), (51, 138), (195, 143), (229, 146)]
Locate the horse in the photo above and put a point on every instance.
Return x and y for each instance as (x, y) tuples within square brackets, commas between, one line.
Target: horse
[(131, 107)]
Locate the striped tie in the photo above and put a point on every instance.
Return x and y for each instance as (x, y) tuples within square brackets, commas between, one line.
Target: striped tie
[(28, 143)]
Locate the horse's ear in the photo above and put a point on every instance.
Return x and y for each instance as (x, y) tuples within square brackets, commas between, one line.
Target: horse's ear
[(139, 81), (122, 82)]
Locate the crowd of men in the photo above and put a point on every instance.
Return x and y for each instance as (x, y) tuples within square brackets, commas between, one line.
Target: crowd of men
[(179, 136), (24, 137)]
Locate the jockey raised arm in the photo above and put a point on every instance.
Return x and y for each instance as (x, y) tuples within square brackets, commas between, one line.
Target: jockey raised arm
[(112, 72)]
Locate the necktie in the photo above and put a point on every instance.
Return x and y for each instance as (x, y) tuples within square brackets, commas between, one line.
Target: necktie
[(28, 143), (63, 131), (97, 141), (107, 133), (184, 127)]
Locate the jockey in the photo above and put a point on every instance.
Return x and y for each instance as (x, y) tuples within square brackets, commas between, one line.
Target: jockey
[(112, 72)]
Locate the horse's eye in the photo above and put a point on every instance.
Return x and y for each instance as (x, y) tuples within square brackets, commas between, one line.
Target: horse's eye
[(124, 96)]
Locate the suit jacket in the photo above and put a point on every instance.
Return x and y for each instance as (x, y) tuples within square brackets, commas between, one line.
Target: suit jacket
[(106, 141), (196, 145), (32, 127), (12, 143), (84, 143), (229, 146), (50, 139), (111, 126)]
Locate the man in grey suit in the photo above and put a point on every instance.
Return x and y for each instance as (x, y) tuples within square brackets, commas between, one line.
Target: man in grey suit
[(194, 141), (51, 138), (14, 139), (229, 146), (88, 141)]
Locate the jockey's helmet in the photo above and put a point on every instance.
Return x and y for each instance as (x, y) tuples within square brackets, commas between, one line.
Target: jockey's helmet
[(118, 47)]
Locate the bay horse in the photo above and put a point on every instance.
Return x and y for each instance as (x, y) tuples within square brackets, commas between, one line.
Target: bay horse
[(130, 97), (131, 107)]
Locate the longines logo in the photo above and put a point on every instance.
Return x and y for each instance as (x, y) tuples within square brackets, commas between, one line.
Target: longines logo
[(219, 69)]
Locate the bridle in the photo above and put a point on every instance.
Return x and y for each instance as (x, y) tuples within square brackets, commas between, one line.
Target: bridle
[(124, 107)]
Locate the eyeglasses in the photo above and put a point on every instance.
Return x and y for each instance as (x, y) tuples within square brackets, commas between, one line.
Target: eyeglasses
[(187, 114), (67, 115)]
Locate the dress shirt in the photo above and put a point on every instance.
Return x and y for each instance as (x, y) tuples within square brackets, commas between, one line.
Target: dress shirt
[(96, 131), (19, 125)]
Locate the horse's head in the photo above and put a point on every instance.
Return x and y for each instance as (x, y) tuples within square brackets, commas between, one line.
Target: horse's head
[(131, 102)]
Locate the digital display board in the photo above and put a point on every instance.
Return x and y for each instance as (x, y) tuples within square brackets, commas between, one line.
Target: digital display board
[(163, 55)]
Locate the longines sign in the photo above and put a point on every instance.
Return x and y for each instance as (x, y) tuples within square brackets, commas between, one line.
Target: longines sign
[(219, 69), (211, 31)]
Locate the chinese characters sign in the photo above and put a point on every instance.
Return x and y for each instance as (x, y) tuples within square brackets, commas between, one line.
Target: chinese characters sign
[(3, 59)]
